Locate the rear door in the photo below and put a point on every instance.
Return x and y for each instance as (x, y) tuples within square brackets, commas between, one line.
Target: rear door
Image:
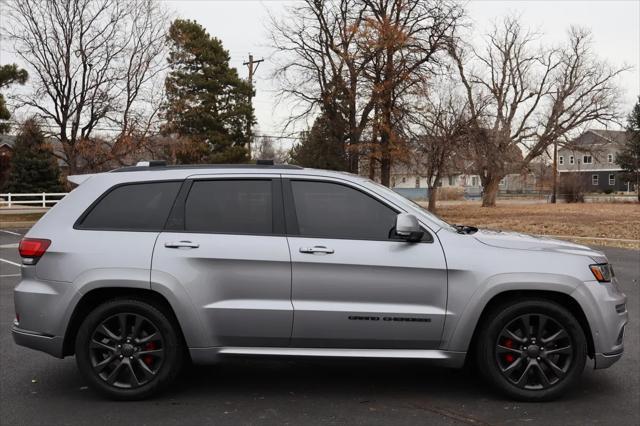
[(354, 285), (225, 246)]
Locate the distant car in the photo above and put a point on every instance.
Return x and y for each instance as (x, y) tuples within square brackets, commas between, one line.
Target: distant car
[(140, 269)]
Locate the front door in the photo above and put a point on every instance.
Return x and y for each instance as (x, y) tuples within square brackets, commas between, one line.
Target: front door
[(354, 285), (227, 250)]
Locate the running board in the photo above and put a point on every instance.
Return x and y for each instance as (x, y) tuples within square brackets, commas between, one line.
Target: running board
[(453, 359)]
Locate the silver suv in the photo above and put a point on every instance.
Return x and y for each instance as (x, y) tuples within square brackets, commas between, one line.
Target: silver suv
[(143, 268)]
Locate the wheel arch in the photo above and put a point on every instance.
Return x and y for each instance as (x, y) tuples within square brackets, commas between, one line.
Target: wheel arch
[(98, 296), (562, 299)]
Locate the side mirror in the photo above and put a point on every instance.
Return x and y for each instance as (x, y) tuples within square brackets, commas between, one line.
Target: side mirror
[(408, 228)]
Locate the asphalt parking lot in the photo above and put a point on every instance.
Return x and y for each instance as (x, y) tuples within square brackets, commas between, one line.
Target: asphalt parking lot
[(38, 389)]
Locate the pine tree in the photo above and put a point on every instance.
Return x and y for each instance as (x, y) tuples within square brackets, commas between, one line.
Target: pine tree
[(9, 74), (33, 166), (321, 147), (208, 105)]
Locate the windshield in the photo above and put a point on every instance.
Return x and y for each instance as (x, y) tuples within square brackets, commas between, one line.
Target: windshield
[(394, 195)]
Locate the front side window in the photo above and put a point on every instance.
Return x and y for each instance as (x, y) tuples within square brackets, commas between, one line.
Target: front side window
[(586, 159), (612, 179), (595, 180), (229, 207), (561, 160), (571, 160), (610, 158), (330, 210), (133, 207)]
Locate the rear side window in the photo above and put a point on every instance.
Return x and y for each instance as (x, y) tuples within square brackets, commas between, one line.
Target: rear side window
[(330, 210), (133, 207), (230, 207)]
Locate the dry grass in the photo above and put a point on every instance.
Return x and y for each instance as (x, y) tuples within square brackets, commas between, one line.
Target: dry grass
[(19, 217), (606, 220)]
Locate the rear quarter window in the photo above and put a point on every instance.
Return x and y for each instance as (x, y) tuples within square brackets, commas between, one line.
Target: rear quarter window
[(132, 207)]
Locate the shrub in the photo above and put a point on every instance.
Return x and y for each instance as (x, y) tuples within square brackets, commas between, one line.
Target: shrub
[(571, 190), (450, 193)]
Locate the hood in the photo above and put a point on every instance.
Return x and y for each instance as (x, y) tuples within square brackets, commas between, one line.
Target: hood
[(515, 240)]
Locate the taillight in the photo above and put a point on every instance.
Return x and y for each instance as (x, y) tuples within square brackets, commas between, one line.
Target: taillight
[(31, 249)]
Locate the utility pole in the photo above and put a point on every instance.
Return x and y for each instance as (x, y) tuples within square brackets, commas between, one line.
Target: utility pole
[(250, 64)]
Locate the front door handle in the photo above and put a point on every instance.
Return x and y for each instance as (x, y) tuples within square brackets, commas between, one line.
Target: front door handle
[(181, 244), (316, 249)]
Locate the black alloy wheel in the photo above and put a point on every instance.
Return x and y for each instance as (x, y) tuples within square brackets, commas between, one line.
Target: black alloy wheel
[(534, 351), (126, 350), (129, 349)]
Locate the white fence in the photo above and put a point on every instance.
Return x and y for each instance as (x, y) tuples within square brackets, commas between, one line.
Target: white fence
[(42, 199)]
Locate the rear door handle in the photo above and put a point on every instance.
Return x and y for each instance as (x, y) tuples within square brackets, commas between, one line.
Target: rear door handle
[(181, 244), (316, 249)]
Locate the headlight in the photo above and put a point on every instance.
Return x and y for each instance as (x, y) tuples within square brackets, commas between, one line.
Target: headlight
[(602, 271)]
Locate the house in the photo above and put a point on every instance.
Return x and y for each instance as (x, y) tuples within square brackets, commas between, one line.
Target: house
[(590, 160), (7, 143), (411, 183)]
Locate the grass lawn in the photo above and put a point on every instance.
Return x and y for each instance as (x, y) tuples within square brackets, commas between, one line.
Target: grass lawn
[(600, 220), (8, 218)]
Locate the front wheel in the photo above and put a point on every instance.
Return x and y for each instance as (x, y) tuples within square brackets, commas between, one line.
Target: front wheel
[(532, 350), (128, 349)]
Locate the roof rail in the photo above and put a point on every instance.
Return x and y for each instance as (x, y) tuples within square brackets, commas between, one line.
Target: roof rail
[(160, 167), (151, 163)]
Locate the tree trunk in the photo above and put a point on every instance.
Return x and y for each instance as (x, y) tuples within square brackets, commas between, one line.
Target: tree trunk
[(385, 170), (433, 197), (490, 188), (554, 194)]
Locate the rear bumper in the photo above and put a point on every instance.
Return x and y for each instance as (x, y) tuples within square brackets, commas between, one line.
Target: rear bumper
[(38, 341)]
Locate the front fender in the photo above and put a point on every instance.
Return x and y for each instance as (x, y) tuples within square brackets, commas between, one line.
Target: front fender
[(462, 318)]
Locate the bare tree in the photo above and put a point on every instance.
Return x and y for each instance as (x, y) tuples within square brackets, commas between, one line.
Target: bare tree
[(94, 64), (347, 58), (523, 97), (319, 67), (407, 37), (438, 134)]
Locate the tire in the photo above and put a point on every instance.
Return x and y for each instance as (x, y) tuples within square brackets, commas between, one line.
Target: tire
[(120, 365), (531, 367)]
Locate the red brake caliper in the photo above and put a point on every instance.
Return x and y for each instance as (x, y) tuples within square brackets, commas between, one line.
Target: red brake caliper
[(509, 357), (148, 359)]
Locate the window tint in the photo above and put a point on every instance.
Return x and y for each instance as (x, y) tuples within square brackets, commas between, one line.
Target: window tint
[(230, 206), (330, 210), (135, 207)]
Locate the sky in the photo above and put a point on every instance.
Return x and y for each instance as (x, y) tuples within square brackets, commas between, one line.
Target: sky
[(242, 26)]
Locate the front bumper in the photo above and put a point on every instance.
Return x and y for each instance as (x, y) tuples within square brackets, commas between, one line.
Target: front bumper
[(604, 306), (38, 341), (606, 360)]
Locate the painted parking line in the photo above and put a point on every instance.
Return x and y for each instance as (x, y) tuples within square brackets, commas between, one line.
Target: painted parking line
[(10, 262), (10, 275), (10, 232)]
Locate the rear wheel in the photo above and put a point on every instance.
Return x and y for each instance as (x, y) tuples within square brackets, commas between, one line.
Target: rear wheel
[(128, 349), (532, 350)]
